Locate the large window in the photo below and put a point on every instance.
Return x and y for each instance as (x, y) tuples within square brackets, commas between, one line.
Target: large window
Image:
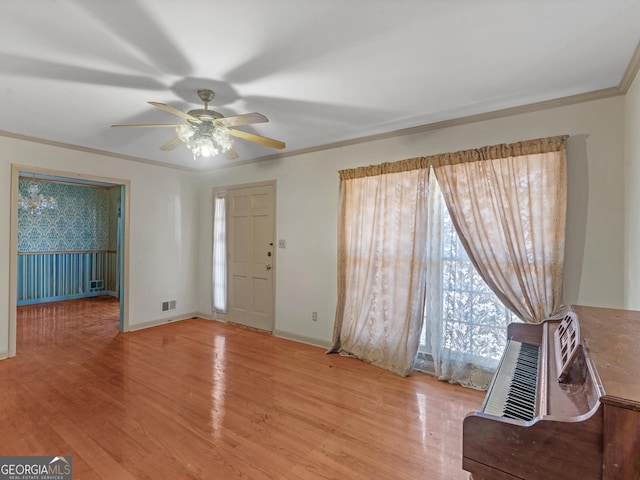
[(407, 283)]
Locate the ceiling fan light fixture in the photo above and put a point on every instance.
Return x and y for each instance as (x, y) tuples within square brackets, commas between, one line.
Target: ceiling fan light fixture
[(208, 132), (222, 137), (205, 139), (185, 132), (204, 147)]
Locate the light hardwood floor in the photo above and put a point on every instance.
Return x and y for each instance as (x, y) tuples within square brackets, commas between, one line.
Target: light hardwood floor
[(199, 399)]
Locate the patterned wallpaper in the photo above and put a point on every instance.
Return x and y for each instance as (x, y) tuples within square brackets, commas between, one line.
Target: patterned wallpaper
[(114, 206), (81, 221)]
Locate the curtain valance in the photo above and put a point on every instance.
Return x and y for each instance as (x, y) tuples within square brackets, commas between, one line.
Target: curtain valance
[(492, 152), (385, 168)]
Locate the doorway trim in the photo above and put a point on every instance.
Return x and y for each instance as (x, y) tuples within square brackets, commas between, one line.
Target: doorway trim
[(13, 248)]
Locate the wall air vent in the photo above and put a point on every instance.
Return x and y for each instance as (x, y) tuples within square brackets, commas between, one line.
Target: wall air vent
[(96, 285), (168, 305)]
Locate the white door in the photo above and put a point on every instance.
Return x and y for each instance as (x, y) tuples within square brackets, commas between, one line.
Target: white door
[(251, 256)]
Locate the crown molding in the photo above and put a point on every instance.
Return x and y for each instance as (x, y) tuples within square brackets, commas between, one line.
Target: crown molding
[(630, 73), (94, 151), (625, 83), (507, 112)]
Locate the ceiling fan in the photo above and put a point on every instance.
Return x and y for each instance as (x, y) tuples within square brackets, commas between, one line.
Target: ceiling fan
[(208, 132)]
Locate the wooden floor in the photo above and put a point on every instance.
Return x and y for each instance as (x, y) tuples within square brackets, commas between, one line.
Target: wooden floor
[(199, 399)]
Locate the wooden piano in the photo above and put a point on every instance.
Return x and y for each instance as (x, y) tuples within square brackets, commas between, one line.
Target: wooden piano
[(564, 402)]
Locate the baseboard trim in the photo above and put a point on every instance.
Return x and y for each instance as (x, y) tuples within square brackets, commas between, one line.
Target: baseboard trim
[(61, 298), (161, 321), (316, 342), (4, 355)]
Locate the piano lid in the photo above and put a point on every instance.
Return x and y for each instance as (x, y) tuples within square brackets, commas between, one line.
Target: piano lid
[(612, 337)]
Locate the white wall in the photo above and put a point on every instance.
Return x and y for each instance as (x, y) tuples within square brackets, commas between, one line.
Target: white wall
[(632, 212), (307, 206), (171, 212), (163, 233)]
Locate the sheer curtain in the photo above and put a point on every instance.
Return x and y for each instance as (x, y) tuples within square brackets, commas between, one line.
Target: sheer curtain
[(465, 328), (381, 280), (461, 251), (508, 205)]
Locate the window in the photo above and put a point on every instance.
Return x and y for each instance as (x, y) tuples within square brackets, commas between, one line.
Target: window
[(474, 321), (219, 254), (402, 269)]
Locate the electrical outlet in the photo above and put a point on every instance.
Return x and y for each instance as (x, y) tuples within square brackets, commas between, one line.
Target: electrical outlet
[(282, 243), (314, 316)]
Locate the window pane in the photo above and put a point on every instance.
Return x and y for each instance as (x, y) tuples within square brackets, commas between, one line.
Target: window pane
[(219, 256), (474, 320)]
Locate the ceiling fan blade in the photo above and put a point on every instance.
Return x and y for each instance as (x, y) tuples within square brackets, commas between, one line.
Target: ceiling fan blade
[(171, 145), (231, 154), (269, 142), (148, 125), (246, 119), (175, 111)]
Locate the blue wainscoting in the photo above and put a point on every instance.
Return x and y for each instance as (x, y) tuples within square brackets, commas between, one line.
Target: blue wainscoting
[(51, 276)]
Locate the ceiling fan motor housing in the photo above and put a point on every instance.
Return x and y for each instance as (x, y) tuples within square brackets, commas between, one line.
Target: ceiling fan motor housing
[(204, 114)]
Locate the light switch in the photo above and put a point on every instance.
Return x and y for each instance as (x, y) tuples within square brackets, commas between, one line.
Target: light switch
[(282, 243)]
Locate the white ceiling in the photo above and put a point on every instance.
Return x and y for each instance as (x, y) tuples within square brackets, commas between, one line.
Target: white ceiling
[(323, 71)]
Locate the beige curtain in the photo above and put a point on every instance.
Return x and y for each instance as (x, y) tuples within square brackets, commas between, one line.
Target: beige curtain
[(508, 204), (382, 227)]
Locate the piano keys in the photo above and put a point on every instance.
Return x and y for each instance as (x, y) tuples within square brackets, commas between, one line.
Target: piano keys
[(564, 402), (513, 390)]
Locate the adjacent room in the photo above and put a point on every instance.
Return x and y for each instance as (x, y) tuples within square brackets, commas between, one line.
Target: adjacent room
[(295, 239)]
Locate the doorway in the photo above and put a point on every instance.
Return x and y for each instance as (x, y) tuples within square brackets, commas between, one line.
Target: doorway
[(251, 259), (118, 287)]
